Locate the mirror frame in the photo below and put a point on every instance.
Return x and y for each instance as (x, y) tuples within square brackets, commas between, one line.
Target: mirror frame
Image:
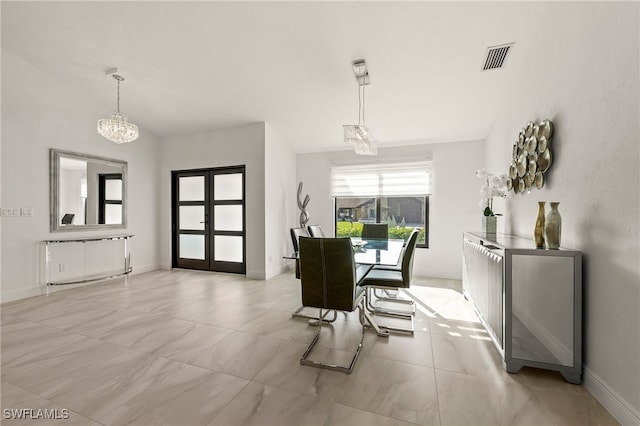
[(54, 190)]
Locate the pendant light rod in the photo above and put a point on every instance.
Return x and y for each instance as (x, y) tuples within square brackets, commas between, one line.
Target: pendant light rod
[(119, 78)]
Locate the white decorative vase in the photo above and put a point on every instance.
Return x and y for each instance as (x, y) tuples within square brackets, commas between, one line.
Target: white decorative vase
[(489, 224)]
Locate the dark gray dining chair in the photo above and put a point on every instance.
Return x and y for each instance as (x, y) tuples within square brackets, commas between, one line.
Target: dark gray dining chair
[(389, 279), (387, 295), (296, 233), (330, 282), (375, 230), (316, 231)]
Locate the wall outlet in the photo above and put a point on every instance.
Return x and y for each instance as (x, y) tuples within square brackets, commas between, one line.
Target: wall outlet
[(26, 211), (10, 212)]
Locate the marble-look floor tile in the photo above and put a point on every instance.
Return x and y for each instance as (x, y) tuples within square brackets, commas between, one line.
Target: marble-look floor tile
[(342, 415), (148, 333), (127, 389), (196, 347), (550, 380), (197, 405), (468, 356), (285, 372), (468, 329), (412, 349), (266, 322), (26, 340), (189, 347), (185, 396), (470, 400), (574, 409), (241, 354), (45, 308), (20, 407), (79, 368), (402, 391), (261, 405)]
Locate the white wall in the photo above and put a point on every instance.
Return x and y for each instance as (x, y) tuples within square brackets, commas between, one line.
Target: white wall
[(39, 113), (453, 206), (243, 145), (588, 84), (280, 201)]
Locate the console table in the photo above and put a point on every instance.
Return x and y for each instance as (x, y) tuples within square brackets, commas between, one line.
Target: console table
[(529, 299), (84, 260)]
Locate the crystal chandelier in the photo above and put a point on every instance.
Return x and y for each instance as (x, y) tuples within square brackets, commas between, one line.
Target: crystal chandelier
[(358, 134), (116, 128)]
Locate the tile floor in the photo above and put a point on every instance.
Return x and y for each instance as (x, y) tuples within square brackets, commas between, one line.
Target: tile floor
[(196, 348)]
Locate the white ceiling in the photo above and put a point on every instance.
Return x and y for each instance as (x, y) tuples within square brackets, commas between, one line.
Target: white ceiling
[(195, 66)]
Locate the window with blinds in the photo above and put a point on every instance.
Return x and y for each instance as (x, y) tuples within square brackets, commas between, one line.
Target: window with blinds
[(394, 193)]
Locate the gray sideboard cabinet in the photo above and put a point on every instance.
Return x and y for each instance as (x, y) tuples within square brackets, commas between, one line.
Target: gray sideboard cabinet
[(529, 299)]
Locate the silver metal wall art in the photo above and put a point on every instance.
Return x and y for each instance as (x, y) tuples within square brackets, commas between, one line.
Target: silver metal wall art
[(531, 157), (302, 205)]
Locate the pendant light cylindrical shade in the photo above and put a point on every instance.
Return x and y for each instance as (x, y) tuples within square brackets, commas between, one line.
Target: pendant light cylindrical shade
[(116, 128)]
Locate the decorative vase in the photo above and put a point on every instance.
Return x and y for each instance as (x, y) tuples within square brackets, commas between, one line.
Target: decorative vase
[(553, 228), (538, 232), (489, 224)]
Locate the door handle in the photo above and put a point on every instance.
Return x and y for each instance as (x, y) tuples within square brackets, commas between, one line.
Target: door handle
[(204, 221)]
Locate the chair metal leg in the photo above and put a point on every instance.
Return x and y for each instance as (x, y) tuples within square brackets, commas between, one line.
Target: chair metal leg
[(334, 367), (391, 297), (387, 310), (297, 314), (384, 330)]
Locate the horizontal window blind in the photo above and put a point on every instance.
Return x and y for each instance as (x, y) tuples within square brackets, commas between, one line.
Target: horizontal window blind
[(392, 179)]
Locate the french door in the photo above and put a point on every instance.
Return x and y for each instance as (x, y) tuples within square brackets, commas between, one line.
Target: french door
[(208, 219)]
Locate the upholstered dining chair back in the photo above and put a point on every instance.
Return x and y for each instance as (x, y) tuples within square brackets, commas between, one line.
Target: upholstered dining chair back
[(296, 233), (328, 273), (407, 258), (316, 231), (375, 230)]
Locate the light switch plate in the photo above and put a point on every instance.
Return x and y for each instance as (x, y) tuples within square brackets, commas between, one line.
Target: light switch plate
[(26, 211)]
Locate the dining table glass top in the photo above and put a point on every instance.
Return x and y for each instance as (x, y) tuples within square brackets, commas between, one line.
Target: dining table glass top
[(373, 251)]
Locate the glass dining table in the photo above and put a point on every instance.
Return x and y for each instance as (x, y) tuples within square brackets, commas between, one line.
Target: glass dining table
[(373, 251)]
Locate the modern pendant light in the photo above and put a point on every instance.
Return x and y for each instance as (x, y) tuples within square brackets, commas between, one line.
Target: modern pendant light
[(358, 134), (116, 128)]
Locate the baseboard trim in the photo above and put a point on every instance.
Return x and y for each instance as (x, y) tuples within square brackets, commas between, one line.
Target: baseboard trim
[(24, 293), (141, 269), (619, 408), (256, 275)]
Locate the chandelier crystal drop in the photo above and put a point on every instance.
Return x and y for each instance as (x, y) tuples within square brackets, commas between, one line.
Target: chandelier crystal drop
[(116, 128)]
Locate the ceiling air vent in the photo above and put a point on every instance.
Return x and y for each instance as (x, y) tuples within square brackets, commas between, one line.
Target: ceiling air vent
[(496, 56)]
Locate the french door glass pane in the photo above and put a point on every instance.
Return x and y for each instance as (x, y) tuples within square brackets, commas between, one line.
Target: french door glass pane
[(228, 186), (192, 217), (228, 248), (191, 246), (113, 189), (227, 218), (113, 214), (192, 188)]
